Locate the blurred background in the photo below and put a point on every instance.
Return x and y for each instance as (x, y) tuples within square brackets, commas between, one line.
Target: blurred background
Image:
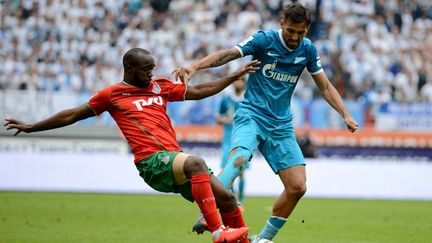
[(378, 54)]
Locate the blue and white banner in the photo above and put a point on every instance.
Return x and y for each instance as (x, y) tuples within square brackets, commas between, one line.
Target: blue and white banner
[(322, 115), (404, 117), (327, 178)]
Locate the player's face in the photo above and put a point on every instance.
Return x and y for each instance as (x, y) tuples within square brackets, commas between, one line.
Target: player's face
[(293, 33), (143, 72)]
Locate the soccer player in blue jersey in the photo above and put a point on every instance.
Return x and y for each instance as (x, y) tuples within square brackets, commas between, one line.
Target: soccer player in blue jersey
[(263, 120), (227, 108)]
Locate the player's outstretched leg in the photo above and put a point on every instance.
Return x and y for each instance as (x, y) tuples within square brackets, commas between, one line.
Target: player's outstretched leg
[(236, 163), (200, 225), (234, 219), (201, 190), (239, 157), (203, 195)]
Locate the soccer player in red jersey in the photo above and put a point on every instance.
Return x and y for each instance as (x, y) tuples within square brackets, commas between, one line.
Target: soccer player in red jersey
[(138, 105)]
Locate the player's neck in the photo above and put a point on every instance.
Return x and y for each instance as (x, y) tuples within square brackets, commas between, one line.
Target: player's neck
[(136, 84)]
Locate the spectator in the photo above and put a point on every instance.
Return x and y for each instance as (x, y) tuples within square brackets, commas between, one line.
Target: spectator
[(358, 40)]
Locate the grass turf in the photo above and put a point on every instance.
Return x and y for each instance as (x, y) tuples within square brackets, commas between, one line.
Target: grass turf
[(75, 217)]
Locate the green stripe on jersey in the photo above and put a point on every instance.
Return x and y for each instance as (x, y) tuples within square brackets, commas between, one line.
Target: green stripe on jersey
[(139, 125)]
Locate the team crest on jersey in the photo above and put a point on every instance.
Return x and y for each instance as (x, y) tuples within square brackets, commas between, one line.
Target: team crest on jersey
[(165, 159), (156, 88)]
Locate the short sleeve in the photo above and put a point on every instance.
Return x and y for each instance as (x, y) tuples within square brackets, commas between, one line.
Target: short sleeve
[(314, 60), (252, 44), (100, 101), (176, 92)]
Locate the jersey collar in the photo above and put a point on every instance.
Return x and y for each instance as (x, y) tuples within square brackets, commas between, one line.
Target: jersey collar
[(283, 42), (124, 83), (130, 85)]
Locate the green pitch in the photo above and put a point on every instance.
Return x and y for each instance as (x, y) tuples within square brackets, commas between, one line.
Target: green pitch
[(72, 217)]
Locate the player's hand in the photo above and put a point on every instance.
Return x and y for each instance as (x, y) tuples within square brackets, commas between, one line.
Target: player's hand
[(179, 73), (351, 124), (250, 67), (18, 125)]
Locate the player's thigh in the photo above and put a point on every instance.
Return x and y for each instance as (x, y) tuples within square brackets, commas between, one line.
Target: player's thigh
[(294, 178), (157, 171), (281, 150), (245, 133), (178, 168)]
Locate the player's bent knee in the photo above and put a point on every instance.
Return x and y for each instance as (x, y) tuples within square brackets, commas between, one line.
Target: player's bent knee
[(298, 189), (301, 190), (195, 165), (240, 156)]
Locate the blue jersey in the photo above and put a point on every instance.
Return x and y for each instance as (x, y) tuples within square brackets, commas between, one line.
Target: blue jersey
[(228, 106), (269, 89)]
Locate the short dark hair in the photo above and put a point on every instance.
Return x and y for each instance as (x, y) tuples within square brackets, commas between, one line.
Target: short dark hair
[(131, 56), (296, 13)]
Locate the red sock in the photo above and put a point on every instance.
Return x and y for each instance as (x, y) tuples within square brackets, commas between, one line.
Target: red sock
[(233, 219), (203, 195)]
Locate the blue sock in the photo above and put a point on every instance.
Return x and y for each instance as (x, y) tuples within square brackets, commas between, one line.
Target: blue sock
[(230, 172), (272, 227)]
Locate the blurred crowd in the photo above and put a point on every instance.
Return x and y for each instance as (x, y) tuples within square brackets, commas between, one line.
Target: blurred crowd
[(379, 51)]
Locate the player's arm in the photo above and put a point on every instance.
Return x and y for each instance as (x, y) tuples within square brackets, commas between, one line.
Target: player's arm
[(60, 119), (332, 97), (217, 58), (207, 89), (213, 60)]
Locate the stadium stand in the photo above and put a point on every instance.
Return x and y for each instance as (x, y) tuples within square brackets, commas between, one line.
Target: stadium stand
[(377, 53)]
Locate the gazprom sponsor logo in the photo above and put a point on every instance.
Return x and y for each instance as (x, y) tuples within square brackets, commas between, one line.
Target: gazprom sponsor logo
[(269, 72)]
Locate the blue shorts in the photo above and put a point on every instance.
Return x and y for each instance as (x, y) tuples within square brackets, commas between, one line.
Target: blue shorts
[(277, 143)]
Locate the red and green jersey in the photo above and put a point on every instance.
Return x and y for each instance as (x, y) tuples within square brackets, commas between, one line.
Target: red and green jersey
[(141, 114)]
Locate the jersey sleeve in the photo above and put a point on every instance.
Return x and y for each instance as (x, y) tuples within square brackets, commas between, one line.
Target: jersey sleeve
[(252, 44), (314, 61), (100, 101), (177, 91)]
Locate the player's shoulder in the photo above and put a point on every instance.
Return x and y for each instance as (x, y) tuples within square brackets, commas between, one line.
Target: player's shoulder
[(112, 87), (117, 87), (308, 47), (107, 92), (268, 34), (263, 35), (164, 81), (164, 85), (307, 43)]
